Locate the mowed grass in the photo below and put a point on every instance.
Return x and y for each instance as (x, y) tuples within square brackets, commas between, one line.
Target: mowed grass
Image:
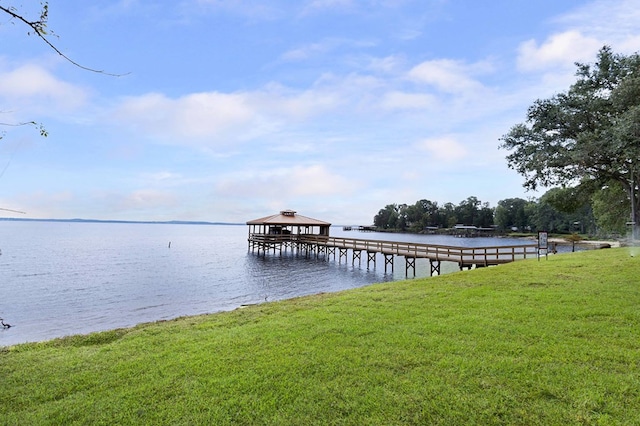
[(544, 342)]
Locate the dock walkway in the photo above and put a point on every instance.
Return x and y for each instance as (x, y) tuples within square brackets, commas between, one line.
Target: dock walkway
[(465, 257)]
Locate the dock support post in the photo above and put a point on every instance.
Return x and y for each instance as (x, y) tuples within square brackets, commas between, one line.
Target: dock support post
[(331, 251), (435, 267), (343, 252), (388, 260), (371, 256), (356, 255), (410, 262)]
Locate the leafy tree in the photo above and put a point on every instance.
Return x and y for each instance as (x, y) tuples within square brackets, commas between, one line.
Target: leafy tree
[(416, 216), (402, 222), (610, 206), (387, 218), (571, 199), (422, 214), (448, 216), (547, 215), (485, 216), (511, 213), (588, 135), (467, 210), (430, 213), (544, 217), (474, 212)]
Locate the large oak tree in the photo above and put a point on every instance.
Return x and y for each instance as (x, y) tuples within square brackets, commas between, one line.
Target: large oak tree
[(588, 135)]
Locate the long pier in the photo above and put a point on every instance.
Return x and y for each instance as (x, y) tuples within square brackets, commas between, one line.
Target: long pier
[(465, 257)]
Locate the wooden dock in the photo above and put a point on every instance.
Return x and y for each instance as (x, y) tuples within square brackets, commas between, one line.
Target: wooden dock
[(465, 257)]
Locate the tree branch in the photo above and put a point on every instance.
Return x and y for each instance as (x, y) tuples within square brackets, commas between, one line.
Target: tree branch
[(14, 211), (40, 127), (38, 28)]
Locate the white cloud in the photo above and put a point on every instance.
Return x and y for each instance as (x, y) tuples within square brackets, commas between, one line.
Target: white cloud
[(445, 149), (323, 47), (298, 105), (316, 6), (162, 176), (213, 118), (259, 10), (285, 183), (320, 5), (144, 199), (585, 30), (402, 100), (559, 50), (194, 115), (42, 204), (308, 51), (614, 23), (34, 87), (447, 75), (387, 65)]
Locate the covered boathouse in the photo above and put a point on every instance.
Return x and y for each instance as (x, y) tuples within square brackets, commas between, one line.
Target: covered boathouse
[(284, 230)]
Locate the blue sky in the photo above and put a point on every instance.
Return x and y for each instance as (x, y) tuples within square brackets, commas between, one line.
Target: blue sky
[(237, 109)]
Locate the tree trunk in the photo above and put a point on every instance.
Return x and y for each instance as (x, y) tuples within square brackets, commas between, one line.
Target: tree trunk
[(632, 186), (635, 213)]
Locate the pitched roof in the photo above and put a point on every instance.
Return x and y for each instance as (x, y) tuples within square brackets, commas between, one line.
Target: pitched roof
[(288, 217)]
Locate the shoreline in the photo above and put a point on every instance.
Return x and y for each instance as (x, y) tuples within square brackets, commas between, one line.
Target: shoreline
[(596, 244)]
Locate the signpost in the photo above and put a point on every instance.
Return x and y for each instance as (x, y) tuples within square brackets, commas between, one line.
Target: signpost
[(543, 243)]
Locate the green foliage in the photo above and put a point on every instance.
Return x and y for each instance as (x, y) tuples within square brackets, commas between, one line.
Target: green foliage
[(589, 134), (570, 199), (558, 210), (611, 208), (38, 26), (425, 213), (387, 218), (512, 213), (554, 341)]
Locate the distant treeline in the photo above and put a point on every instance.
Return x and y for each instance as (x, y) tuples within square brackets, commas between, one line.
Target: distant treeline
[(559, 211)]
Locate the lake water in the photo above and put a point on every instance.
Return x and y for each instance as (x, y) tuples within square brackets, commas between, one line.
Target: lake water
[(62, 278)]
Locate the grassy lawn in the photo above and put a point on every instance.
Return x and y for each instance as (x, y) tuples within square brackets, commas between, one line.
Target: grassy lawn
[(544, 342)]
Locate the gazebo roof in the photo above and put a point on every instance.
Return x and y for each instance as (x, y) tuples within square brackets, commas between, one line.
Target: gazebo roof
[(287, 218)]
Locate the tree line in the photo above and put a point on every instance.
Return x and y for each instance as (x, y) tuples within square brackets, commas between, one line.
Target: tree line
[(559, 210)]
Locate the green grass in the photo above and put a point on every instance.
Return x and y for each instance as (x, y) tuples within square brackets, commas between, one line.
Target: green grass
[(544, 342)]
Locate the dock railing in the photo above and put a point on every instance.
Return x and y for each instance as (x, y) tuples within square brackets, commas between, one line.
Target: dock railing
[(463, 256), (485, 256)]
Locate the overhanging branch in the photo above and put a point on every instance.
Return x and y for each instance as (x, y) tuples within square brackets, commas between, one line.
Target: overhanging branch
[(38, 28)]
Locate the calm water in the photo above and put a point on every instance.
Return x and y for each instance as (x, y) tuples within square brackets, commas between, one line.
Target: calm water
[(58, 279)]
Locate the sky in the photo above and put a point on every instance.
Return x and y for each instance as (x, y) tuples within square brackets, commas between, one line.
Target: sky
[(231, 110)]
